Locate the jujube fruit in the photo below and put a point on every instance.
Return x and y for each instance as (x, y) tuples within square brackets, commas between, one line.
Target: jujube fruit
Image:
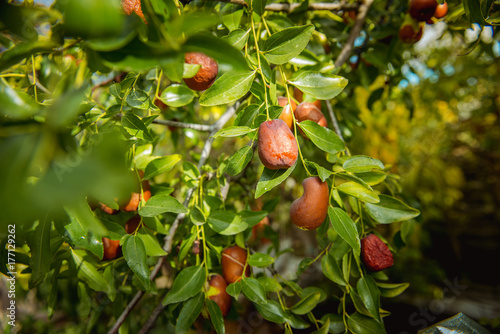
[(288, 109), (408, 34), (217, 292), (132, 224), (309, 211), (108, 210), (233, 261), (277, 145), (309, 111), (299, 96), (375, 253), (441, 10), (136, 196), (206, 74), (112, 249), (130, 6), (422, 10)]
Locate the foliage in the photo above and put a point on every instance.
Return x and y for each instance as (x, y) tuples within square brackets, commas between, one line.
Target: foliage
[(80, 85)]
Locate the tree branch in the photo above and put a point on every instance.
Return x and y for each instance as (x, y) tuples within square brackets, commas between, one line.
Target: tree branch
[(173, 229), (286, 7), (193, 126), (358, 25), (336, 126)]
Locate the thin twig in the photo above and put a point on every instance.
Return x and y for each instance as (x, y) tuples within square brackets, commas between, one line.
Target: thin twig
[(193, 126), (173, 229), (336, 127), (286, 7), (356, 29)]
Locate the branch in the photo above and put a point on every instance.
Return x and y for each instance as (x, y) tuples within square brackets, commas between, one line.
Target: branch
[(173, 229), (336, 127), (358, 25), (193, 126), (285, 7)]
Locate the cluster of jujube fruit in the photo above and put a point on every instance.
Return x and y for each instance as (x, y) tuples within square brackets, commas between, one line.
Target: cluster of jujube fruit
[(419, 13)]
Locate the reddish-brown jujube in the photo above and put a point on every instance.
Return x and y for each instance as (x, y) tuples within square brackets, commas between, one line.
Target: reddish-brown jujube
[(136, 196), (375, 253), (233, 261), (407, 33), (277, 145), (130, 6), (441, 10), (206, 74), (422, 10), (309, 111), (217, 292), (288, 109), (299, 96), (309, 211), (112, 249)]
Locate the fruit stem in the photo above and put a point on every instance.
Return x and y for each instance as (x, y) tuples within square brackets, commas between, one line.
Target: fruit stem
[(259, 65)]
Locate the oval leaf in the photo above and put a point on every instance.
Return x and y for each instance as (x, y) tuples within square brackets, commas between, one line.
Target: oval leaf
[(226, 222), (228, 88), (87, 272), (319, 85), (271, 178), (357, 190), (322, 137), (159, 204), (361, 324), (190, 311), (215, 315), (161, 165), (361, 163), (260, 260), (391, 290), (345, 227), (287, 43), (134, 253), (272, 311), (233, 131), (331, 269), (186, 285), (177, 95), (253, 290), (306, 304), (239, 160), (369, 293), (390, 210)]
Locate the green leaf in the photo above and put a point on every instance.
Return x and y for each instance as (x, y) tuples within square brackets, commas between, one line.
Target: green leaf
[(237, 38), (162, 203), (190, 70), (246, 116), (359, 191), (390, 290), (187, 284), (135, 126), (253, 290), (361, 324), (473, 12), (197, 216), (287, 43), (16, 104), (336, 323), (86, 272), (270, 284), (372, 178), (78, 230), (260, 260), (323, 173), (318, 85), (190, 311), (228, 88), (23, 50), (239, 160), (151, 244), (39, 244), (215, 315), (161, 165), (306, 304), (369, 293), (233, 131), (258, 6), (324, 329), (272, 311), (138, 99), (271, 178), (234, 289), (345, 227), (322, 137), (361, 163), (134, 253), (332, 270), (390, 210), (177, 95), (226, 222), (232, 20)]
